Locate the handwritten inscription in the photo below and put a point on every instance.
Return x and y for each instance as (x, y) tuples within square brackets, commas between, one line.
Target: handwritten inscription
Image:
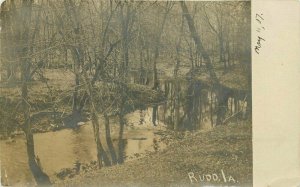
[(259, 29), (213, 177)]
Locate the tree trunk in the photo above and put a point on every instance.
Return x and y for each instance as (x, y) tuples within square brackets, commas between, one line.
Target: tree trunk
[(211, 108), (125, 33), (199, 46), (141, 76), (95, 122), (221, 47), (200, 49), (156, 51), (75, 95), (222, 105), (176, 107), (40, 177), (228, 53)]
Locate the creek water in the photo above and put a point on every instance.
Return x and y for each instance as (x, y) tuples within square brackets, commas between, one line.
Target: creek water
[(189, 105), (61, 149)]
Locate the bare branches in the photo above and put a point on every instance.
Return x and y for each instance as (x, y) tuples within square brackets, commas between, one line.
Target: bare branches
[(100, 49), (198, 42), (208, 21)]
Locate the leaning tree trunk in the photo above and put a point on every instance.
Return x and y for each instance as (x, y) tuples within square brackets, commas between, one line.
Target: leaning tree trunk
[(199, 46), (40, 177), (200, 49), (95, 122)]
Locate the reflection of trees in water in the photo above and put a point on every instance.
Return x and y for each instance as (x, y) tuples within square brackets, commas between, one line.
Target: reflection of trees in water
[(155, 145), (154, 114), (193, 105), (142, 116), (121, 145), (109, 141), (104, 157), (39, 175), (186, 104), (80, 150)]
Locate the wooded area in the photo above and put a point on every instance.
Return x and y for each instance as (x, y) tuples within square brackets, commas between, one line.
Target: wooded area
[(70, 61)]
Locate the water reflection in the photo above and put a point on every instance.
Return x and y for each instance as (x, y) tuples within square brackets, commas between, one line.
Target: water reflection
[(194, 105), (62, 149), (189, 105)]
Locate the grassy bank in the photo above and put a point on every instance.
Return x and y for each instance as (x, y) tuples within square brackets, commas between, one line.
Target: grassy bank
[(225, 151)]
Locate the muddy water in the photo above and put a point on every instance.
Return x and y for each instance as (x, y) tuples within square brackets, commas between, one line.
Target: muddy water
[(61, 149), (189, 105)]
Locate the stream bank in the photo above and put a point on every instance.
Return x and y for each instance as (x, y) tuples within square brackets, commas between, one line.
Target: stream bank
[(227, 148)]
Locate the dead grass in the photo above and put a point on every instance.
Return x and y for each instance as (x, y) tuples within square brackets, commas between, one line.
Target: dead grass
[(226, 147)]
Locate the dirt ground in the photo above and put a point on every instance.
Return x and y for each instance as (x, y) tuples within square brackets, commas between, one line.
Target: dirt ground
[(222, 156)]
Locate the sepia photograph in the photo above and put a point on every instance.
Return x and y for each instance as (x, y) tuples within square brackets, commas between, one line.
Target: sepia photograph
[(126, 93)]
